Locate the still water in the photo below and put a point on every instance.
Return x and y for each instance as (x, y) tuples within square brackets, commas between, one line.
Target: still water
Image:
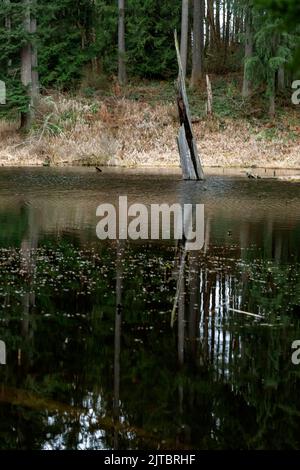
[(92, 359)]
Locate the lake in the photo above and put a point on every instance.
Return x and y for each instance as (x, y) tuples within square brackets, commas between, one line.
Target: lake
[(92, 361)]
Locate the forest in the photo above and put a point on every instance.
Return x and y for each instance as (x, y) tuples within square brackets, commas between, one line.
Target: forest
[(84, 71), (149, 229)]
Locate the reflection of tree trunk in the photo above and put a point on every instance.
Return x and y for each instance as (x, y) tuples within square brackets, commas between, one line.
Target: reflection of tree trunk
[(269, 238), (206, 302), (117, 352), (207, 235), (224, 300), (218, 319), (244, 239), (194, 286), (181, 315), (213, 312), (278, 248), (28, 267)]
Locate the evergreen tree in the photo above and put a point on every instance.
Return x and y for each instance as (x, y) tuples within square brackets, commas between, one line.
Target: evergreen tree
[(272, 50), (66, 41), (150, 37), (12, 38), (63, 40), (287, 12)]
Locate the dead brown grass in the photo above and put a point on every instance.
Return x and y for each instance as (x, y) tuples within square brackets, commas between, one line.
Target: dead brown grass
[(121, 131)]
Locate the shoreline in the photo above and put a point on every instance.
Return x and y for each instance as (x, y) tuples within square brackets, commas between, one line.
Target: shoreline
[(119, 132), (262, 172)]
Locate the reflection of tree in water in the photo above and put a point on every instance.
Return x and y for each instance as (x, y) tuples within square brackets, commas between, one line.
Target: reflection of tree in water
[(217, 379)]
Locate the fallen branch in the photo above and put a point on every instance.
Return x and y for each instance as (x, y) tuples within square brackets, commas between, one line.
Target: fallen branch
[(245, 313)]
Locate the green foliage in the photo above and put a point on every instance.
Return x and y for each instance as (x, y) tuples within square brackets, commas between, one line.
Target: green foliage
[(150, 33), (16, 97), (64, 41), (287, 10), (11, 42), (273, 49), (77, 42), (287, 15)]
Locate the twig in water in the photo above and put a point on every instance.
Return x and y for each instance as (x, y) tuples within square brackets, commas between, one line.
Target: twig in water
[(245, 313)]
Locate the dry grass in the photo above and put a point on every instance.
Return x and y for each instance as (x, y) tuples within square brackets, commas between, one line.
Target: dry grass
[(121, 131)]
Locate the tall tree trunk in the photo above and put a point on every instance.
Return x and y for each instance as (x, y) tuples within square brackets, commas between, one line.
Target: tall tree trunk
[(34, 64), (272, 100), (281, 78), (198, 41), (248, 53), (218, 28), (8, 27), (272, 80), (237, 24), (121, 44), (211, 20), (227, 29), (184, 34), (224, 21), (26, 67)]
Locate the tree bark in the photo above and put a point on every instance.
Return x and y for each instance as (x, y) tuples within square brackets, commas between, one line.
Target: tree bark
[(211, 20), (224, 21), (227, 29), (122, 76), (218, 28), (207, 29), (209, 103), (8, 27), (198, 41), (26, 68), (34, 64), (189, 157), (272, 103), (248, 54), (272, 80), (184, 35), (281, 78)]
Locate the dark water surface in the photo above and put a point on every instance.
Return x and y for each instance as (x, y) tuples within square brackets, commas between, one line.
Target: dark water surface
[(92, 361)]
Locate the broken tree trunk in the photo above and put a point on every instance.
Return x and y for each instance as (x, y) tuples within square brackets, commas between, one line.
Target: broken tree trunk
[(209, 109), (189, 157)]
